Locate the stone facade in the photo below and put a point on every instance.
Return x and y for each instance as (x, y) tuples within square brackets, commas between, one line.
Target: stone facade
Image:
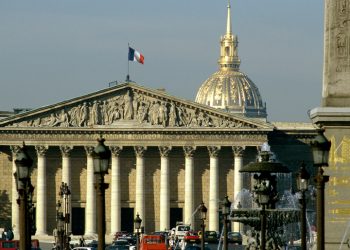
[(223, 131)]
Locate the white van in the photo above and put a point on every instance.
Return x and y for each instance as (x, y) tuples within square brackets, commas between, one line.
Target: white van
[(181, 230)]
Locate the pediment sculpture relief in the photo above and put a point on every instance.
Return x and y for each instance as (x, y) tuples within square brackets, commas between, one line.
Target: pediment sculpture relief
[(129, 105)]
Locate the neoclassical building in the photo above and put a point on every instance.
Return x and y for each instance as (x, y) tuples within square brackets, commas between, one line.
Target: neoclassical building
[(168, 154)]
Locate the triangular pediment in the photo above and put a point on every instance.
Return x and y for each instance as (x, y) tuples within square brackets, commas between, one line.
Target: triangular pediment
[(130, 105)]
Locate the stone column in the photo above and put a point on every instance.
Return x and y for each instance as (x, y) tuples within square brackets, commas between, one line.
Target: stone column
[(115, 190), (214, 188), (90, 207), (14, 205), (41, 192), (238, 178), (66, 177), (189, 185), (164, 206), (336, 67), (140, 183)]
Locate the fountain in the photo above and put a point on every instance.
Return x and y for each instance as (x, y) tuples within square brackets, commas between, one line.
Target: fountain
[(269, 216)]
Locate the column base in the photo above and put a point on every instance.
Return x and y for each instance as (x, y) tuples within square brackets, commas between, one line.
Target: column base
[(90, 235), (40, 234)]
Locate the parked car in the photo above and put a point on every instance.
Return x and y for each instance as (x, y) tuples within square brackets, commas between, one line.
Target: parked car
[(211, 236), (195, 247), (234, 237), (192, 237), (118, 247), (85, 248), (153, 242)]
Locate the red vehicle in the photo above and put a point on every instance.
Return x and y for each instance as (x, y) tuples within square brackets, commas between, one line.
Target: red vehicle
[(153, 242), (14, 244), (192, 237)]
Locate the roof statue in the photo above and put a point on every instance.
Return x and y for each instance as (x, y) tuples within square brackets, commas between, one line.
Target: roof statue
[(228, 88)]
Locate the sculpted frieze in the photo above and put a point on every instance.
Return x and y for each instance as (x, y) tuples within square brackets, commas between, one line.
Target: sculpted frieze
[(130, 107)]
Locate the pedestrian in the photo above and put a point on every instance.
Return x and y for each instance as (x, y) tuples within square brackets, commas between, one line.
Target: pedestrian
[(9, 234), (81, 241)]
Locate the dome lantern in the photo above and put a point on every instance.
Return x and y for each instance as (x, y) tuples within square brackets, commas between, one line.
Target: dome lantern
[(228, 88)]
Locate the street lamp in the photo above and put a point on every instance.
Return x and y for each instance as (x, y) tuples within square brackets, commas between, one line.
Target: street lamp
[(203, 210), (265, 186), (64, 194), (101, 155), (137, 225), (320, 147), (60, 230), (225, 210), (302, 184), (239, 206), (23, 163)]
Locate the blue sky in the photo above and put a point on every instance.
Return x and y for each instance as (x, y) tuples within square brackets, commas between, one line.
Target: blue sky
[(52, 51)]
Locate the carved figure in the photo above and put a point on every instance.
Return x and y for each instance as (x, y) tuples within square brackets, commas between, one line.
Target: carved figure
[(172, 116), (84, 115), (95, 113), (128, 107), (104, 113), (341, 44), (142, 113), (62, 119), (162, 114), (155, 113)]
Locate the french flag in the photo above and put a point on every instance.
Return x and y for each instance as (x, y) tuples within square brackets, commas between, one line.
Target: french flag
[(134, 55)]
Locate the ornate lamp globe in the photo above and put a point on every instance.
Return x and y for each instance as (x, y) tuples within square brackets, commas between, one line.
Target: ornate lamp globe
[(137, 222), (23, 163), (101, 155), (320, 147), (203, 211)]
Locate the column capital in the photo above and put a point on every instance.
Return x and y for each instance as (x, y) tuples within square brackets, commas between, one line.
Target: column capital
[(164, 150), (89, 150), (15, 149), (116, 150), (238, 151), (189, 150), (140, 150), (41, 149), (66, 149), (214, 151)]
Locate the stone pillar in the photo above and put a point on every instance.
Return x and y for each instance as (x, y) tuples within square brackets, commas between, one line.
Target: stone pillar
[(41, 192), (140, 183), (189, 185), (67, 178), (214, 188), (164, 206), (238, 179), (336, 67), (115, 190), (90, 207), (14, 205)]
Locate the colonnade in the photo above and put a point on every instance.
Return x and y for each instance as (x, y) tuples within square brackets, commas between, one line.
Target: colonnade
[(164, 213)]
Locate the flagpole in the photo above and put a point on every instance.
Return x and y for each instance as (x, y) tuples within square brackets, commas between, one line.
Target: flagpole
[(128, 76)]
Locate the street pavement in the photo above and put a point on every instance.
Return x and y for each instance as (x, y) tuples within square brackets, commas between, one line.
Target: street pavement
[(48, 246)]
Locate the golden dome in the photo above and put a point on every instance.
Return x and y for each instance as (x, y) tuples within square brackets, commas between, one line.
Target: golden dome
[(229, 89)]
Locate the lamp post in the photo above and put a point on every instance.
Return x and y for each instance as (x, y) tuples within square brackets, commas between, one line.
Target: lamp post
[(64, 194), (60, 230), (101, 155), (137, 225), (239, 206), (265, 187), (320, 147), (203, 210), (23, 163), (225, 210), (302, 184)]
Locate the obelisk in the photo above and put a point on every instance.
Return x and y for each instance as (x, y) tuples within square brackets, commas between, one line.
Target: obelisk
[(336, 71), (334, 117)]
